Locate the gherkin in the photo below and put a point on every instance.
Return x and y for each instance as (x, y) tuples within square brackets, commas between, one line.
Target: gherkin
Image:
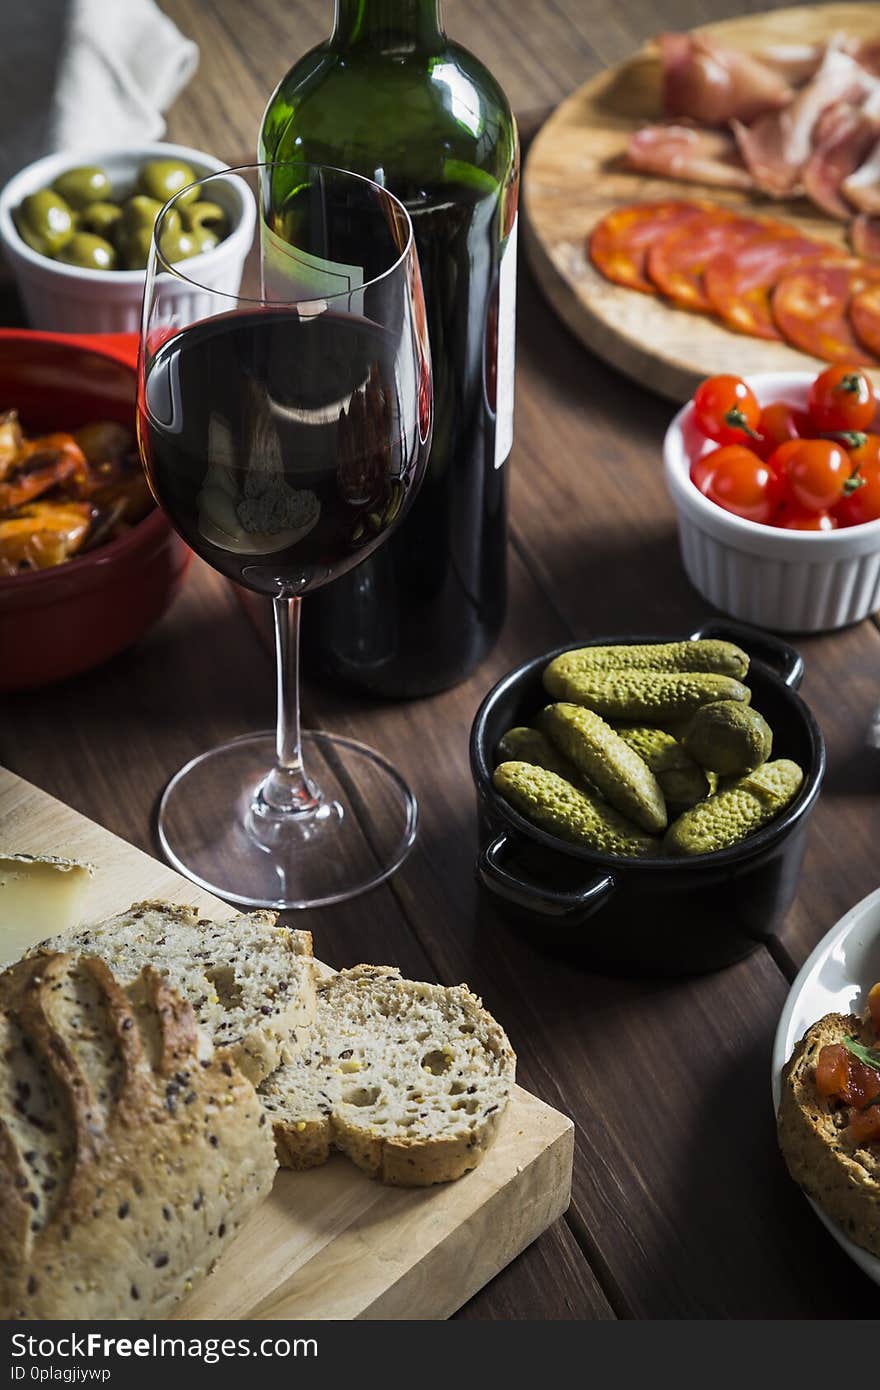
[(736, 812), (729, 738), (619, 773), (526, 745), (554, 805), (682, 781), (657, 697), (706, 655)]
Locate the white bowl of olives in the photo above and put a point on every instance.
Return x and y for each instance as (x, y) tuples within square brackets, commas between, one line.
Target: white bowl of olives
[(75, 229)]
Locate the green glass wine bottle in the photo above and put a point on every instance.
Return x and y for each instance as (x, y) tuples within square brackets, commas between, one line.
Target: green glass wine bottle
[(389, 96)]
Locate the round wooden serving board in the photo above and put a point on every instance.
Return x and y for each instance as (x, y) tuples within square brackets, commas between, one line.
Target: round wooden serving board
[(574, 175)]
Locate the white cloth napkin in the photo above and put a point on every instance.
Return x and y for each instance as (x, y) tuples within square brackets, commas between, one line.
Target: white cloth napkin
[(77, 73)]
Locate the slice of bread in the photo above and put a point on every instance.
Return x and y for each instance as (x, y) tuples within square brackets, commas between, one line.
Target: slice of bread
[(130, 1151), (251, 984), (841, 1177), (409, 1080)]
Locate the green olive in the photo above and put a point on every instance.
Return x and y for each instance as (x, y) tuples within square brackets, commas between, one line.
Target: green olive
[(134, 230), (100, 218), (133, 245), (208, 215), (45, 221), (140, 211), (83, 185), (204, 238), (162, 178), (89, 251), (178, 246)]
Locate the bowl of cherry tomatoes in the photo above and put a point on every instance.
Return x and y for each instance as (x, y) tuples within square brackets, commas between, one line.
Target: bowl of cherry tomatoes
[(776, 481)]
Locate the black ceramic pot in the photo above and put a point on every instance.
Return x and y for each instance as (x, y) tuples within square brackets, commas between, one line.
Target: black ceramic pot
[(664, 916)]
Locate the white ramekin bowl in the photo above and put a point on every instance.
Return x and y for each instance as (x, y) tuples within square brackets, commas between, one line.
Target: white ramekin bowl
[(791, 581), (68, 299)]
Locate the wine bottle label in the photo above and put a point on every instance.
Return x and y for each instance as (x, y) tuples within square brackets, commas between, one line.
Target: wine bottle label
[(291, 275), (506, 348)]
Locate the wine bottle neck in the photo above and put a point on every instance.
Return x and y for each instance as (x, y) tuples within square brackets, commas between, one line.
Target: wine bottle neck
[(387, 25)]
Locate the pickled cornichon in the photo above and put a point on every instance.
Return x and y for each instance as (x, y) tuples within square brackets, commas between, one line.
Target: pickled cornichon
[(527, 745), (615, 769), (736, 812), (717, 657), (643, 695), (554, 805), (682, 781), (729, 738)]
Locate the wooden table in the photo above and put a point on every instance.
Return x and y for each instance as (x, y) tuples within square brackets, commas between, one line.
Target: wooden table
[(681, 1207)]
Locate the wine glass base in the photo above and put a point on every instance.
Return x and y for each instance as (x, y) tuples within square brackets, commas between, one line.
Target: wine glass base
[(362, 830)]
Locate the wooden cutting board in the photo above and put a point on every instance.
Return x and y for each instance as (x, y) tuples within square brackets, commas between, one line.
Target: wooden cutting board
[(331, 1243), (573, 176)]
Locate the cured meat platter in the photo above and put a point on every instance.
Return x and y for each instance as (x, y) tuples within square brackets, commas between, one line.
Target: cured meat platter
[(575, 176)]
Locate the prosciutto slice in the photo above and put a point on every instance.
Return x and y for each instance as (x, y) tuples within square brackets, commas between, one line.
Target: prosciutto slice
[(862, 187), (796, 62), (777, 146), (686, 153), (707, 82), (845, 136)]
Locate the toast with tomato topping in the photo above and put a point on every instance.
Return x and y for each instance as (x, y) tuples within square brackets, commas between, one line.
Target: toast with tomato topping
[(821, 1132)]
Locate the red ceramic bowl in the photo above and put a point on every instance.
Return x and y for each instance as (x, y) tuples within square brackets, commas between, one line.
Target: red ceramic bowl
[(57, 622)]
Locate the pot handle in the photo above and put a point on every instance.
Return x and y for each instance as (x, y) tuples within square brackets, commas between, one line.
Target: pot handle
[(778, 654), (534, 897)]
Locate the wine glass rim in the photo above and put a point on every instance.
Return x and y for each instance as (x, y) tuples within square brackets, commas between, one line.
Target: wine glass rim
[(172, 268)]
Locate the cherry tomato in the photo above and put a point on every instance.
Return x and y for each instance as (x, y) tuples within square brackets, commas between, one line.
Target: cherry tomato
[(793, 518), (702, 470), (778, 423), (842, 398), (861, 495), (779, 458), (863, 504), (815, 471), (741, 483), (726, 410), (874, 1005)]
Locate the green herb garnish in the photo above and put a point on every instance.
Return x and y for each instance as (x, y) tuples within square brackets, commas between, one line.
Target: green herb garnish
[(869, 1055)]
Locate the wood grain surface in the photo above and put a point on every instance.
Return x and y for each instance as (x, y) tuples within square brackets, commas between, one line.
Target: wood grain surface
[(681, 1204), (330, 1243), (574, 175)]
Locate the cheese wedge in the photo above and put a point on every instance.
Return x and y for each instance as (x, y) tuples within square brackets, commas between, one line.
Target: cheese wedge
[(39, 897)]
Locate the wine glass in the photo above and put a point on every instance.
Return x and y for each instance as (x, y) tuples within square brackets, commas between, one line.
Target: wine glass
[(285, 432)]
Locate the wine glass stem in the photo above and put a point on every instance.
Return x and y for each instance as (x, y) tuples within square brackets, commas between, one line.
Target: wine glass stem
[(287, 790)]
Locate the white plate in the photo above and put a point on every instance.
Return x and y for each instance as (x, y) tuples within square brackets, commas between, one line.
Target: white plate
[(835, 979)]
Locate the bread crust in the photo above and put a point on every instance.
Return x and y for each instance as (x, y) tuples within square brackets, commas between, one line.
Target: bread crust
[(841, 1177), (129, 1151), (306, 1139), (280, 1009)]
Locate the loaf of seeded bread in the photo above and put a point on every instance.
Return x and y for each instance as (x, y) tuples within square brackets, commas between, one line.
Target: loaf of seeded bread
[(410, 1080), (841, 1177), (251, 983), (130, 1150)]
